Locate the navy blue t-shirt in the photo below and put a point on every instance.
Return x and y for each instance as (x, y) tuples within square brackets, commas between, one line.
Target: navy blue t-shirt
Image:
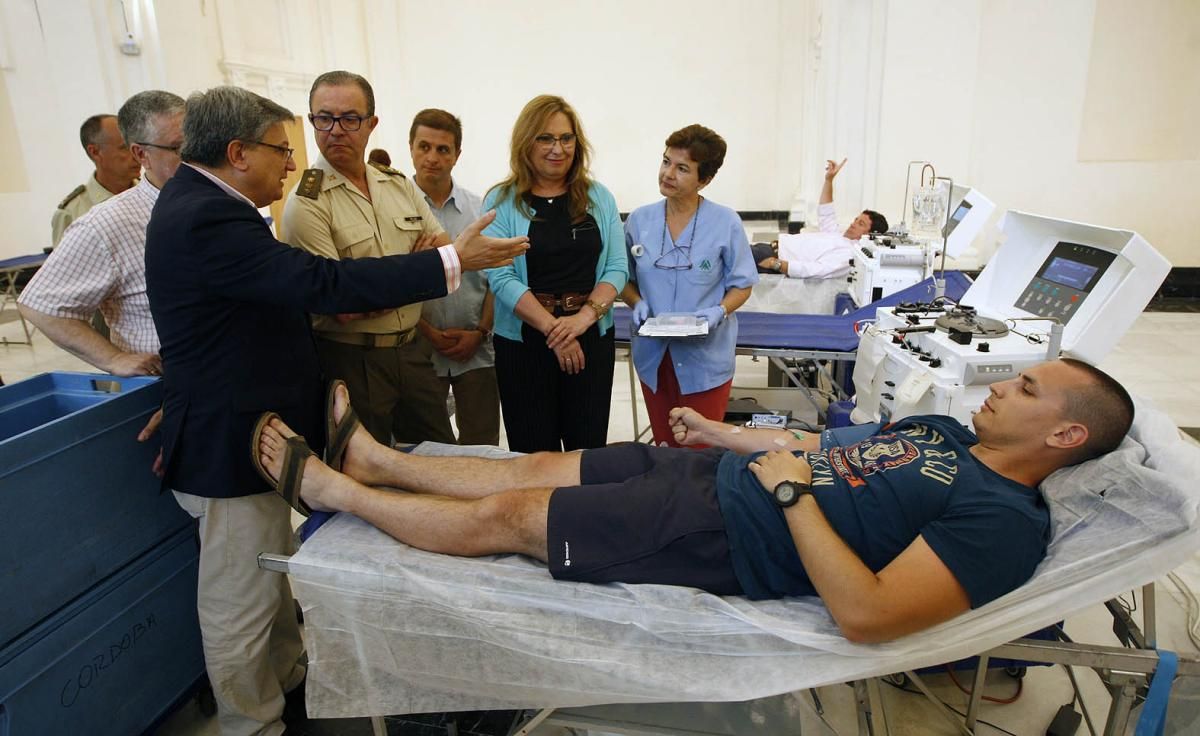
[(915, 477)]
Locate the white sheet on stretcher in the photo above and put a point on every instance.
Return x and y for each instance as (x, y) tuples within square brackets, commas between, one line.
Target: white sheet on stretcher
[(778, 294), (391, 629)]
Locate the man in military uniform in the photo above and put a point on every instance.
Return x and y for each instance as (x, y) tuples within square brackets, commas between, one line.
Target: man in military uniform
[(116, 171), (345, 208)]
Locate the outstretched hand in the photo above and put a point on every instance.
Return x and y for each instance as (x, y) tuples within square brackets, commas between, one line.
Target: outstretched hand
[(832, 169), (477, 251)]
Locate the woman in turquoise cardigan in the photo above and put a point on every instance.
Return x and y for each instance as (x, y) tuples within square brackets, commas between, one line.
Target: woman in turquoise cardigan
[(553, 331)]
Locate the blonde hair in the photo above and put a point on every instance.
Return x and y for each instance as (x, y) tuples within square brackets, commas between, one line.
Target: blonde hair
[(520, 180)]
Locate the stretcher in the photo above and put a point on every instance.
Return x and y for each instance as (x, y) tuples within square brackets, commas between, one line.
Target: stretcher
[(392, 629), (10, 271)]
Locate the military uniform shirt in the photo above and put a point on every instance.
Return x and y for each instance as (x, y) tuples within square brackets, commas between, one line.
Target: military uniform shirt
[(83, 198), (342, 223)]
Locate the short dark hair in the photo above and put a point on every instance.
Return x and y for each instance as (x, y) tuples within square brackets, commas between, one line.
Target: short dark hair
[(214, 118), (438, 120), (379, 156), (704, 147), (138, 117), (91, 130), (1103, 406), (879, 223), (339, 78)]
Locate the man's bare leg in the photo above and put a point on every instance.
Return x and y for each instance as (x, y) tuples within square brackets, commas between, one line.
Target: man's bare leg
[(373, 464), (504, 522)]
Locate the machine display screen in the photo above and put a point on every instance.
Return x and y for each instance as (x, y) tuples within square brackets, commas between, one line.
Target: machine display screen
[(1064, 281), (959, 215), (1069, 273)]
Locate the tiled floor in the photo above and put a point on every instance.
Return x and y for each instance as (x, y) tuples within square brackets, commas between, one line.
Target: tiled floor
[(1157, 359)]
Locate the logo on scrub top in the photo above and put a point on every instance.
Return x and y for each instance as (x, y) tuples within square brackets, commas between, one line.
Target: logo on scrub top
[(705, 265)]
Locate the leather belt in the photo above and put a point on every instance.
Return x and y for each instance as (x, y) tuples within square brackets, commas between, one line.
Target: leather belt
[(371, 339), (568, 303)]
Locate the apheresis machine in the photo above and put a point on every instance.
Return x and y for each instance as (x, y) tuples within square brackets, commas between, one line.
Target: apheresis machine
[(1053, 287), (886, 263)]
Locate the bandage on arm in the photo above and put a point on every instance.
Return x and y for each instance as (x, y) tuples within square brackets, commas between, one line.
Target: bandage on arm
[(745, 440)]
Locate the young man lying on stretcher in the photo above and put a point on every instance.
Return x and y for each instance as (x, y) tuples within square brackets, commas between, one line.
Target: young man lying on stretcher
[(896, 527)]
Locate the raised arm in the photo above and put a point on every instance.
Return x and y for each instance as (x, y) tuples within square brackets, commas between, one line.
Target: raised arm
[(691, 428), (913, 592), (831, 172)]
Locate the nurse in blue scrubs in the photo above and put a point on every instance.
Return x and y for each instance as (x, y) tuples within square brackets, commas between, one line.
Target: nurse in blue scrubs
[(689, 255)]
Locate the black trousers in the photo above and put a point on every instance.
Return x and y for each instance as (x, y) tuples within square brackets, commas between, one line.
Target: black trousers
[(546, 408)]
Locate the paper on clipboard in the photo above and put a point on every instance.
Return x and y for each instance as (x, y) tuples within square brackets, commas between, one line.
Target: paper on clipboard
[(674, 325)]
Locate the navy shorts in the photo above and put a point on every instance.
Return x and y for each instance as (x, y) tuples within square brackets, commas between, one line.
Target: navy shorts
[(642, 514)]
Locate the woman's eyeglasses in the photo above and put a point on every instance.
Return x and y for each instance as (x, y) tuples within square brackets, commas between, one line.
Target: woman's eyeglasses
[(547, 141)]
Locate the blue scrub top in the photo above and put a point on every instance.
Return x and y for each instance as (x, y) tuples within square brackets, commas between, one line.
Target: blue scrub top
[(720, 260)]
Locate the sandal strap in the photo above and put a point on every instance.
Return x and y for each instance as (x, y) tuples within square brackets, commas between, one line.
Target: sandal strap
[(342, 433), (296, 452)]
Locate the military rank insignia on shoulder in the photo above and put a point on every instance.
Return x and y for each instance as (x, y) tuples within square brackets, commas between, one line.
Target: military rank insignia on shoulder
[(387, 169), (74, 193), (310, 183)]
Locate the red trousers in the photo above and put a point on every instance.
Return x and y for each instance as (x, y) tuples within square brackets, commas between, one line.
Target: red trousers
[(710, 403)]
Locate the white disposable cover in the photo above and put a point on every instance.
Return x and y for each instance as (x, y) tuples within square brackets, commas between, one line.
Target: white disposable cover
[(778, 294), (391, 629)]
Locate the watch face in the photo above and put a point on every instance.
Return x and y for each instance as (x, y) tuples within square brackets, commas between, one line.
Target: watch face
[(786, 494)]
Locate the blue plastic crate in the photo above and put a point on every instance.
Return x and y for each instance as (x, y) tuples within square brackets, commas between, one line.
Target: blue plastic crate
[(115, 660), (77, 498)]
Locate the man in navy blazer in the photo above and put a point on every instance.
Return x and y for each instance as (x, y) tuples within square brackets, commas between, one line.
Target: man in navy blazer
[(231, 305)]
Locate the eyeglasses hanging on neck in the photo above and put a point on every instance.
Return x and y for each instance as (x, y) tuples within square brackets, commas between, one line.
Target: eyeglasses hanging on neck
[(679, 256)]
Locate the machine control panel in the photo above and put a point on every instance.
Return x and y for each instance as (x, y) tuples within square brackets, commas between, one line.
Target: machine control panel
[(1064, 280)]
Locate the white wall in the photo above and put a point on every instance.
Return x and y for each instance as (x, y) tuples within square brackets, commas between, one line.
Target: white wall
[(1030, 94), (635, 72), (991, 91)]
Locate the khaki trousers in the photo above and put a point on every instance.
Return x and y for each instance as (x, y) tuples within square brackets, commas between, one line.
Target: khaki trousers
[(476, 405), (394, 391), (252, 646)]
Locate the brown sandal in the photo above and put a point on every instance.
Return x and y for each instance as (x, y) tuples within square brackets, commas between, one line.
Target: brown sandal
[(295, 453), (338, 434)]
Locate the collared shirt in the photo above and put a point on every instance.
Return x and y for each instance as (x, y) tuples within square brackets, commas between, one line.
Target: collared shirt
[(463, 308), (222, 184), (821, 255), (451, 265), (714, 243), (342, 223), (101, 264), (76, 205)]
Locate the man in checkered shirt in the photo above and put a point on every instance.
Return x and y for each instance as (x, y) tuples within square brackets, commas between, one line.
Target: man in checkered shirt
[(100, 261)]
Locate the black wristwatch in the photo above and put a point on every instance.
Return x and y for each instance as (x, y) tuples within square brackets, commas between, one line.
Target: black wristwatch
[(788, 492)]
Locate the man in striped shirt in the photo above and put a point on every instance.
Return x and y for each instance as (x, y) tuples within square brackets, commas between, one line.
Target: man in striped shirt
[(100, 262)]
